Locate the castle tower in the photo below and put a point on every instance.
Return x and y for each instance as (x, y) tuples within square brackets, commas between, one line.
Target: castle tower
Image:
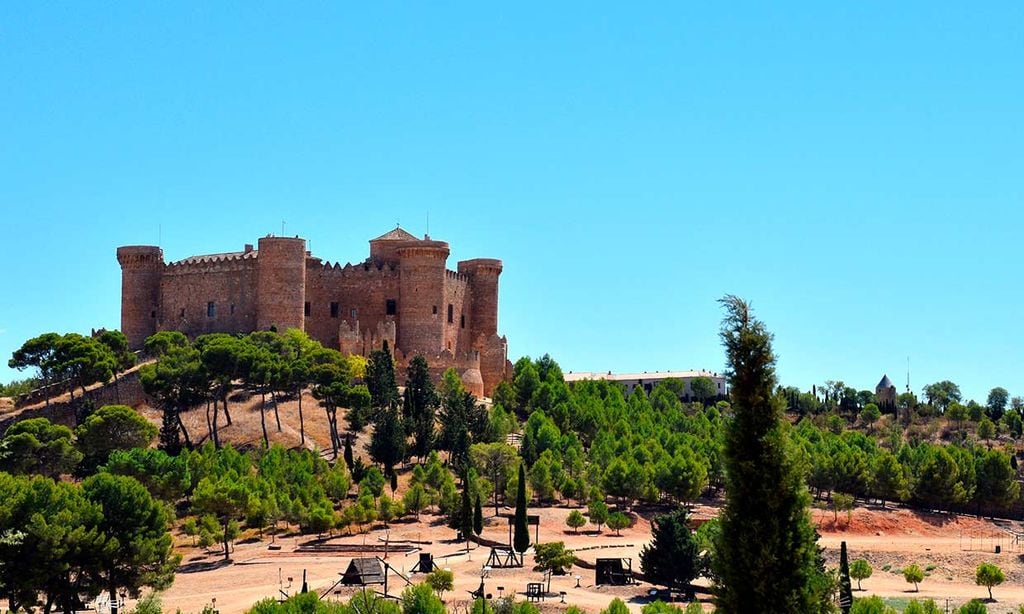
[(885, 391), (484, 273), (422, 310), (141, 269), (281, 283)]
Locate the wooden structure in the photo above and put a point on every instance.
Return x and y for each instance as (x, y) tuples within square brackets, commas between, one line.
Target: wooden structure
[(426, 564), (504, 558), (361, 572), (613, 572)]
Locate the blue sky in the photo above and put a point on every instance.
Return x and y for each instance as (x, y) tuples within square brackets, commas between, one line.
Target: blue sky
[(855, 171)]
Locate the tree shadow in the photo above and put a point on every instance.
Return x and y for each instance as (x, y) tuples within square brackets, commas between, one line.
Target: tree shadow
[(200, 566)]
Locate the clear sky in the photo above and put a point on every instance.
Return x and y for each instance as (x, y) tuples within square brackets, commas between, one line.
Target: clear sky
[(856, 170)]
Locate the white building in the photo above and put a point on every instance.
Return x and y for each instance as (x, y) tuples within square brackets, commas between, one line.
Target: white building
[(650, 379)]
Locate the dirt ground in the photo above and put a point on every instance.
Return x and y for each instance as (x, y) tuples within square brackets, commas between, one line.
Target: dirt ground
[(949, 547)]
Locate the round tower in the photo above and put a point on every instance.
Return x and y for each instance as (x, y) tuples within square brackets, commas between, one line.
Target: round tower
[(422, 309), (483, 273), (141, 269), (281, 283)]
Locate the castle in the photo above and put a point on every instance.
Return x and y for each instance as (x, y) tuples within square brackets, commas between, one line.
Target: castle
[(403, 295)]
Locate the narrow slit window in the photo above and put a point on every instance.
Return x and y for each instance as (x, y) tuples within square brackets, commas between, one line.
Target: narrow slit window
[(211, 309), (306, 308), (462, 320), (334, 310), (435, 310), (232, 309), (390, 307), (451, 313)]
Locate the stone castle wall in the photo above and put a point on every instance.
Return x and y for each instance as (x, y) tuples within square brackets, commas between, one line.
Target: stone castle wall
[(402, 294)]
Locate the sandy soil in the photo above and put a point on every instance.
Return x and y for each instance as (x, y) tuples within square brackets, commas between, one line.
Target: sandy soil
[(931, 541)]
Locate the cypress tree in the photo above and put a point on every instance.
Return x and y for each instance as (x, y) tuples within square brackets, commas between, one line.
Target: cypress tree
[(348, 452), (521, 536), (466, 514), (766, 553), (478, 517), (845, 587)]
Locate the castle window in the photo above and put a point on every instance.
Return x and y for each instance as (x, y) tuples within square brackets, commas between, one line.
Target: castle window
[(152, 314), (306, 308), (451, 313), (435, 310), (183, 312), (353, 312), (232, 309), (462, 320), (211, 309), (390, 307), (334, 310)]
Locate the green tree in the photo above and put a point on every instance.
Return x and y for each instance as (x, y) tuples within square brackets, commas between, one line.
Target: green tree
[(871, 605), (36, 445), (553, 558), (387, 444), (845, 590), (870, 414), (989, 575), (617, 606), (177, 381), (888, 479), (860, 570), (496, 460), (441, 580), (703, 389), (913, 574), (598, 513), (973, 606), (521, 538), (671, 558), (942, 394), (986, 429), (380, 379), (419, 407), (224, 498), (420, 599), (478, 516), (124, 359), (138, 550), (39, 353), (998, 397), (83, 361), (618, 521), (922, 607), (575, 520), (766, 552), (111, 427)]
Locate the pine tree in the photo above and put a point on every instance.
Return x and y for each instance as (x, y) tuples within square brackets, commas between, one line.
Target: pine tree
[(387, 445), (766, 552), (521, 536), (671, 557), (465, 515)]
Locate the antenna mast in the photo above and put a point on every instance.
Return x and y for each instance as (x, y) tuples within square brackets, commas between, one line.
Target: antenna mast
[(908, 374)]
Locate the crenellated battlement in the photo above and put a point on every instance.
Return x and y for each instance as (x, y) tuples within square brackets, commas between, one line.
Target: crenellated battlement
[(363, 270), (457, 276), (216, 263)]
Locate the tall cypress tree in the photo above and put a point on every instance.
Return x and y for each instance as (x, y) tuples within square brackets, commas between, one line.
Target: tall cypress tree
[(765, 555), (521, 536), (845, 587), (478, 517)]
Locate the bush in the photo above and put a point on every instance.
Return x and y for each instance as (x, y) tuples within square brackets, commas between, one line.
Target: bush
[(973, 607), (420, 599), (921, 607), (913, 574), (871, 605)]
